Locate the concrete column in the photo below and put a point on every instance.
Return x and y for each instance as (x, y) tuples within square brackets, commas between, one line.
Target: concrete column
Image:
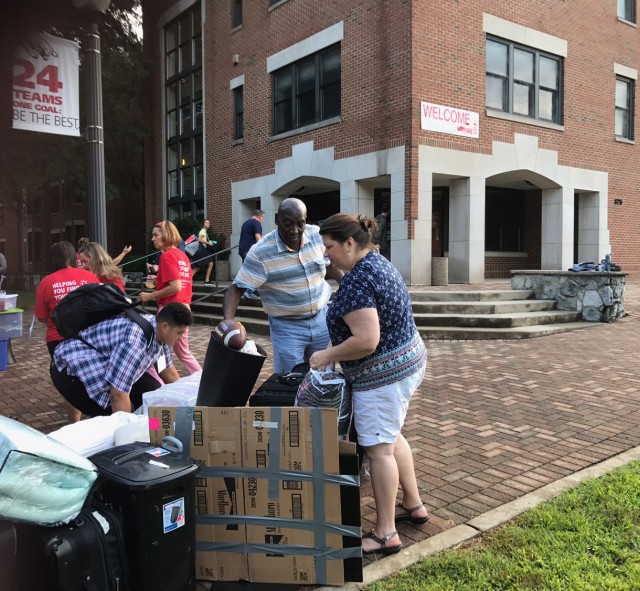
[(557, 228), (593, 236), (420, 245), (466, 230), (349, 197)]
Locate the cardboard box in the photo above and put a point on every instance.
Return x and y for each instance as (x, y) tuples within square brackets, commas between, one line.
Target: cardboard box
[(284, 440), (284, 501), (215, 442)]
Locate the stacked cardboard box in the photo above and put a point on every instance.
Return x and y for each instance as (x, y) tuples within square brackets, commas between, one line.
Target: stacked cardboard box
[(268, 495)]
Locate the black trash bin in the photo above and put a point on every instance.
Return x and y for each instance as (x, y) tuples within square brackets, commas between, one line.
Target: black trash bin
[(228, 376), (154, 489)]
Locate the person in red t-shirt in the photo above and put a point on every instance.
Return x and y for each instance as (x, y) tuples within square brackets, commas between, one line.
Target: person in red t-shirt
[(173, 283), (65, 278), (97, 260)]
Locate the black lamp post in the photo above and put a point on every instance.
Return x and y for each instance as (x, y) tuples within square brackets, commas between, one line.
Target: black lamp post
[(95, 10)]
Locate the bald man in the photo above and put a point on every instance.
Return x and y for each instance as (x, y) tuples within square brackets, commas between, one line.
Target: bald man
[(288, 266)]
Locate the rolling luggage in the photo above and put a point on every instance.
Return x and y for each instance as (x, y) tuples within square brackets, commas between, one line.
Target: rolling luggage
[(84, 555), (8, 547), (280, 389)]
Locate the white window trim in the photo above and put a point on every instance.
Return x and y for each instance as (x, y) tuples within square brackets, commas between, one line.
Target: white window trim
[(625, 72), (237, 82), (306, 47), (499, 27)]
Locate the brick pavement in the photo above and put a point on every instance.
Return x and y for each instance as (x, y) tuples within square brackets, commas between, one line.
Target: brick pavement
[(493, 420)]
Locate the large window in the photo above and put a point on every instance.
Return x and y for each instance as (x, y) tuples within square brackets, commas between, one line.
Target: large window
[(238, 111), (627, 10), (307, 91), (624, 108), (184, 115), (523, 81)]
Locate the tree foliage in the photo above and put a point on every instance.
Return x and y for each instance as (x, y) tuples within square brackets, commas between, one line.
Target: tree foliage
[(34, 161)]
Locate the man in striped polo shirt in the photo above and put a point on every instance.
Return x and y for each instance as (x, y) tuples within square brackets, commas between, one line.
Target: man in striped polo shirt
[(288, 266)]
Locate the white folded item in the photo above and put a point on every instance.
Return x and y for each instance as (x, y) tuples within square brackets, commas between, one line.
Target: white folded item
[(132, 432), (250, 348), (93, 435), (41, 480), (183, 392)]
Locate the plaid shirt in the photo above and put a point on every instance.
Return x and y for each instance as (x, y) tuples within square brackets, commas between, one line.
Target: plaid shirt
[(121, 358), (291, 282)]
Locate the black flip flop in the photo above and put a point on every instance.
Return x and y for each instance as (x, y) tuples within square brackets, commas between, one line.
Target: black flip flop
[(408, 515), (384, 549)]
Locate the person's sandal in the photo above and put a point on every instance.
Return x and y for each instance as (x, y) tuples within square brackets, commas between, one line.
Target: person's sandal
[(408, 515), (384, 549)]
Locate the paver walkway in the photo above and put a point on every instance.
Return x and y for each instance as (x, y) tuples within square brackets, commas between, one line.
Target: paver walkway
[(492, 421)]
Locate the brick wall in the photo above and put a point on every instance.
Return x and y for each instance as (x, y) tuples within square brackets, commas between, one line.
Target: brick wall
[(394, 55)]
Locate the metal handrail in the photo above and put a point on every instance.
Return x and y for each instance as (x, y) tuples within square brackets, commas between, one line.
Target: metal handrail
[(214, 255)]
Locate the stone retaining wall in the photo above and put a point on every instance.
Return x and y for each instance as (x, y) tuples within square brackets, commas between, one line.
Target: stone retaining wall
[(598, 297)]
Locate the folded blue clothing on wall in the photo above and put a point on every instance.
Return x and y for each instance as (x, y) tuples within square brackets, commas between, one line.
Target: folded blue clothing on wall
[(588, 266)]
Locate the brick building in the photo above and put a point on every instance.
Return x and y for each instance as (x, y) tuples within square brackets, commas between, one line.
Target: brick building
[(502, 134)]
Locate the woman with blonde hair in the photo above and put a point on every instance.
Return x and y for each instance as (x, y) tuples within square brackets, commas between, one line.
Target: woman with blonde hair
[(173, 283), (97, 260)]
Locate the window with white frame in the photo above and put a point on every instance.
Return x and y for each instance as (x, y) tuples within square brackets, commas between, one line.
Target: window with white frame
[(627, 10), (184, 115), (523, 81), (307, 91), (624, 107)]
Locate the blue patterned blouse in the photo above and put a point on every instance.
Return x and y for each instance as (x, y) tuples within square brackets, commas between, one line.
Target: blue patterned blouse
[(375, 283)]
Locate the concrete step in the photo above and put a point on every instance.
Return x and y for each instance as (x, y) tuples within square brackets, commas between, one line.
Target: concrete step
[(511, 320), (450, 315), (470, 296), (439, 333), (483, 307)]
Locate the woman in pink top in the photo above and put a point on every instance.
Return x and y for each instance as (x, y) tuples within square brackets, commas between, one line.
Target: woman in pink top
[(65, 278), (173, 283), (97, 260)]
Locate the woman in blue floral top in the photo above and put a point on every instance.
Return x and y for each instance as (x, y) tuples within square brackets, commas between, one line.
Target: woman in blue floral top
[(374, 337)]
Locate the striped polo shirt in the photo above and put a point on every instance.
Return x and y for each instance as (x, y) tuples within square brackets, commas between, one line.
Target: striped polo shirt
[(291, 282)]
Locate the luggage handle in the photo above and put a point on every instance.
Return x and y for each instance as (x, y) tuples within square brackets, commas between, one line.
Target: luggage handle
[(172, 444)]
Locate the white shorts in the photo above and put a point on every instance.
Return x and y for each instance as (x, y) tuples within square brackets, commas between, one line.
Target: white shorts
[(379, 414)]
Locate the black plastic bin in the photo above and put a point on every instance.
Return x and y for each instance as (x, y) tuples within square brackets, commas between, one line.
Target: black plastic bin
[(228, 376), (154, 489)]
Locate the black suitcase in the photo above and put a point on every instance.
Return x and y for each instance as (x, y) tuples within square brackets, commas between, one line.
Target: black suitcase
[(8, 546), (84, 555), (280, 389)]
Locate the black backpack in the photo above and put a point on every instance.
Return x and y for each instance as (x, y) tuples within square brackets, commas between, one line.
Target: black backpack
[(92, 303)]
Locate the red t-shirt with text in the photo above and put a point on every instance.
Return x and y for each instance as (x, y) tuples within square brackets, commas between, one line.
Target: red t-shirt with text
[(174, 265), (53, 288)]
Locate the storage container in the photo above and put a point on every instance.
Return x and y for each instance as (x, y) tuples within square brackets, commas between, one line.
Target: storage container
[(154, 489), (11, 323), (4, 354), (8, 301)]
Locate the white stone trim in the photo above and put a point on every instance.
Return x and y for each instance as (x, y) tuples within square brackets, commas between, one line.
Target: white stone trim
[(499, 27), (308, 46), (352, 175), (176, 10), (236, 82), (625, 71), (467, 171)]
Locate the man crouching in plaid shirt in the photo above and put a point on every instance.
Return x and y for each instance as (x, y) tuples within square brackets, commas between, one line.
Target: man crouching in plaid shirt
[(107, 370)]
